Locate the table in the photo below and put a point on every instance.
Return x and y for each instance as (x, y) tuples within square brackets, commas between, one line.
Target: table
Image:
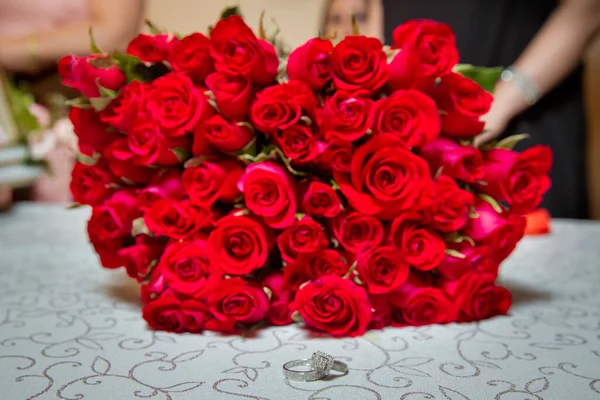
[(71, 330)]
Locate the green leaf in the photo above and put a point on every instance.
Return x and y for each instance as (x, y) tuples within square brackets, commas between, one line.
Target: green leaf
[(132, 66), (306, 120), (261, 26), (153, 28), (296, 317), (268, 292), (74, 206), (93, 46), (299, 216), (100, 103), (492, 202), (231, 11), (463, 238), (87, 160), (138, 227), (106, 93), (288, 163), (355, 30), (79, 102), (182, 153), (351, 270), (509, 142), (455, 253), (335, 185), (194, 162), (486, 77)]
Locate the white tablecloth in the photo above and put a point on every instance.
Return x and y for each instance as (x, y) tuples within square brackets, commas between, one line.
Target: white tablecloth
[(71, 330)]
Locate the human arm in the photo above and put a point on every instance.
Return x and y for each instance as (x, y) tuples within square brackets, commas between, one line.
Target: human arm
[(114, 23), (555, 51)]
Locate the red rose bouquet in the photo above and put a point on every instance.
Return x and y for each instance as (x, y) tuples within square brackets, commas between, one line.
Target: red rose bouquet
[(335, 185)]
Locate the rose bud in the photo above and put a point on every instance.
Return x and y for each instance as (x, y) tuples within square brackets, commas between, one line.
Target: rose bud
[(496, 228), (152, 48), (462, 102), (449, 158), (428, 51), (85, 74)]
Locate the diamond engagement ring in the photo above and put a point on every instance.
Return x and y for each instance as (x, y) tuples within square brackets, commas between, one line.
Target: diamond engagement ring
[(315, 368)]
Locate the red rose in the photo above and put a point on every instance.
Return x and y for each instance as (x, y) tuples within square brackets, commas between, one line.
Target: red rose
[(122, 163), (477, 297), (213, 181), (357, 232), (177, 219), (311, 63), (347, 116), (359, 62), (337, 156), (428, 51), (236, 50), (409, 115), (85, 74), (139, 256), (191, 56), (318, 199), (281, 106), (150, 147), (167, 313), (92, 184), (382, 311), (238, 301), (270, 192), (474, 258), (310, 266), (228, 137), (126, 109), (449, 158), (152, 48), (299, 144), (186, 268), (519, 179), (176, 105), (334, 305), (416, 304), (239, 245), (385, 178), (450, 209), (382, 269), (421, 247), (154, 287), (165, 184), (500, 231), (93, 135), (463, 102), (279, 303), (232, 94), (303, 236), (110, 226)]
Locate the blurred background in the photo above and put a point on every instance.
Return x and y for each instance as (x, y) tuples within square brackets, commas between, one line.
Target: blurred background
[(23, 39)]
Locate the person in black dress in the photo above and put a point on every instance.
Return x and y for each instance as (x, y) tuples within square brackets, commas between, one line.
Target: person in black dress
[(544, 42)]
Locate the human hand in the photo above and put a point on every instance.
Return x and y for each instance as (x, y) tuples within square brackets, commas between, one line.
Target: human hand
[(494, 126)]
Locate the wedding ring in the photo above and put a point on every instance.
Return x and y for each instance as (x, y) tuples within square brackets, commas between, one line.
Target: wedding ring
[(318, 366)]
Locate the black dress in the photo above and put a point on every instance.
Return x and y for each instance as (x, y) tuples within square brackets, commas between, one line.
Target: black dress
[(494, 33)]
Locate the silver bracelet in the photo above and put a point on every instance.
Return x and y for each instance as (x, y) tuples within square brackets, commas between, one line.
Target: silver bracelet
[(530, 92)]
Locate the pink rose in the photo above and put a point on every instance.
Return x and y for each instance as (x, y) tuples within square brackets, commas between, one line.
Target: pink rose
[(86, 73), (476, 258), (500, 231), (447, 157)]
